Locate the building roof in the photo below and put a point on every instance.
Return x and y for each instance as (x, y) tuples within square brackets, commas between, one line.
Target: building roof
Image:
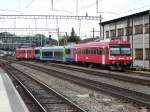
[(125, 17)]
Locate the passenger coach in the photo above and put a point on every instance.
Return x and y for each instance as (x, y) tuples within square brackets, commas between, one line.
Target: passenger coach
[(116, 54)]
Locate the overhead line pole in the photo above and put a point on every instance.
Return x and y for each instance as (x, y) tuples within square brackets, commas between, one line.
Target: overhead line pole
[(77, 6), (100, 19), (52, 3)]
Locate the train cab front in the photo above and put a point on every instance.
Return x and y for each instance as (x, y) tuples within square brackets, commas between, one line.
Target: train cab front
[(120, 56)]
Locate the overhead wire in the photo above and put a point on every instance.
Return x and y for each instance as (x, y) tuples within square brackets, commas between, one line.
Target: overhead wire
[(30, 3), (90, 5)]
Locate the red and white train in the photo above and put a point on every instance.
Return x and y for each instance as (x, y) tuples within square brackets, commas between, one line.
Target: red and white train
[(115, 54)]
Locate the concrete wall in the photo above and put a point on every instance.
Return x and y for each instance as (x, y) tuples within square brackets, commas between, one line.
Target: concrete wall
[(138, 39)]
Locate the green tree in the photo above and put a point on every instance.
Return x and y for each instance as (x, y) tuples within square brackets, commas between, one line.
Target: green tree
[(73, 38)]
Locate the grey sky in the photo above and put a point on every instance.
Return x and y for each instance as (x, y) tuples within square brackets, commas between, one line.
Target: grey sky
[(109, 8)]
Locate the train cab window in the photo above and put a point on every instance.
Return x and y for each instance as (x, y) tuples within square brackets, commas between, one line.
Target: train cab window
[(125, 51), (114, 51), (120, 49)]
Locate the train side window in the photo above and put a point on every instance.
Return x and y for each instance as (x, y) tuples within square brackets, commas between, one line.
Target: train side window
[(86, 51), (89, 51), (37, 51), (22, 51), (99, 51), (57, 53), (68, 51), (47, 53), (28, 51), (94, 50)]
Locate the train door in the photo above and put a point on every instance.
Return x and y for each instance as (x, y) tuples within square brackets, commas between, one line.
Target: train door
[(104, 50), (26, 53), (76, 57)]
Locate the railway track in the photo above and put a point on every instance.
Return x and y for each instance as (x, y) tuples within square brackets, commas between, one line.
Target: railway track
[(130, 76), (125, 93), (26, 96), (127, 77), (45, 98)]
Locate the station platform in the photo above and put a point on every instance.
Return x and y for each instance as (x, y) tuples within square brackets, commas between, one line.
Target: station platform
[(10, 100)]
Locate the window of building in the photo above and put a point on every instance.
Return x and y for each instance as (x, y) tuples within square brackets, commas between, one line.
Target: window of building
[(139, 29), (120, 32), (112, 33), (129, 30), (147, 53), (147, 28), (139, 54), (107, 34)]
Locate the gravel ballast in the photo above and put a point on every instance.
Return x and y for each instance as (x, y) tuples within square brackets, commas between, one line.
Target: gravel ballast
[(90, 100)]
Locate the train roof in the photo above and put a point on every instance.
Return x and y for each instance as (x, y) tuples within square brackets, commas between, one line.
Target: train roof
[(53, 47), (102, 43), (36, 48), (27, 48), (69, 46)]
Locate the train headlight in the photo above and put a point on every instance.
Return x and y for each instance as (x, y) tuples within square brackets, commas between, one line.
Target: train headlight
[(111, 58), (131, 58)]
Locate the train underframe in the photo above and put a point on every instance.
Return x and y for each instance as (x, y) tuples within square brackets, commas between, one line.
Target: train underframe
[(120, 66)]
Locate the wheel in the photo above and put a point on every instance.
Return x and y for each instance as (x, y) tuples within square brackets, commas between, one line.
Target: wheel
[(112, 68)]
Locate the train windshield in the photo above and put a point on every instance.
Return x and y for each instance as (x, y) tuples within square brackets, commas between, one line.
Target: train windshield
[(120, 50)]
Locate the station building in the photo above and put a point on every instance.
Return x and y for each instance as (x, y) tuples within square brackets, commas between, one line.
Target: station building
[(136, 29)]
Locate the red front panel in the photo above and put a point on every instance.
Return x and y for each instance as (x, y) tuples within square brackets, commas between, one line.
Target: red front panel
[(30, 53), (25, 53), (120, 59), (20, 53)]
